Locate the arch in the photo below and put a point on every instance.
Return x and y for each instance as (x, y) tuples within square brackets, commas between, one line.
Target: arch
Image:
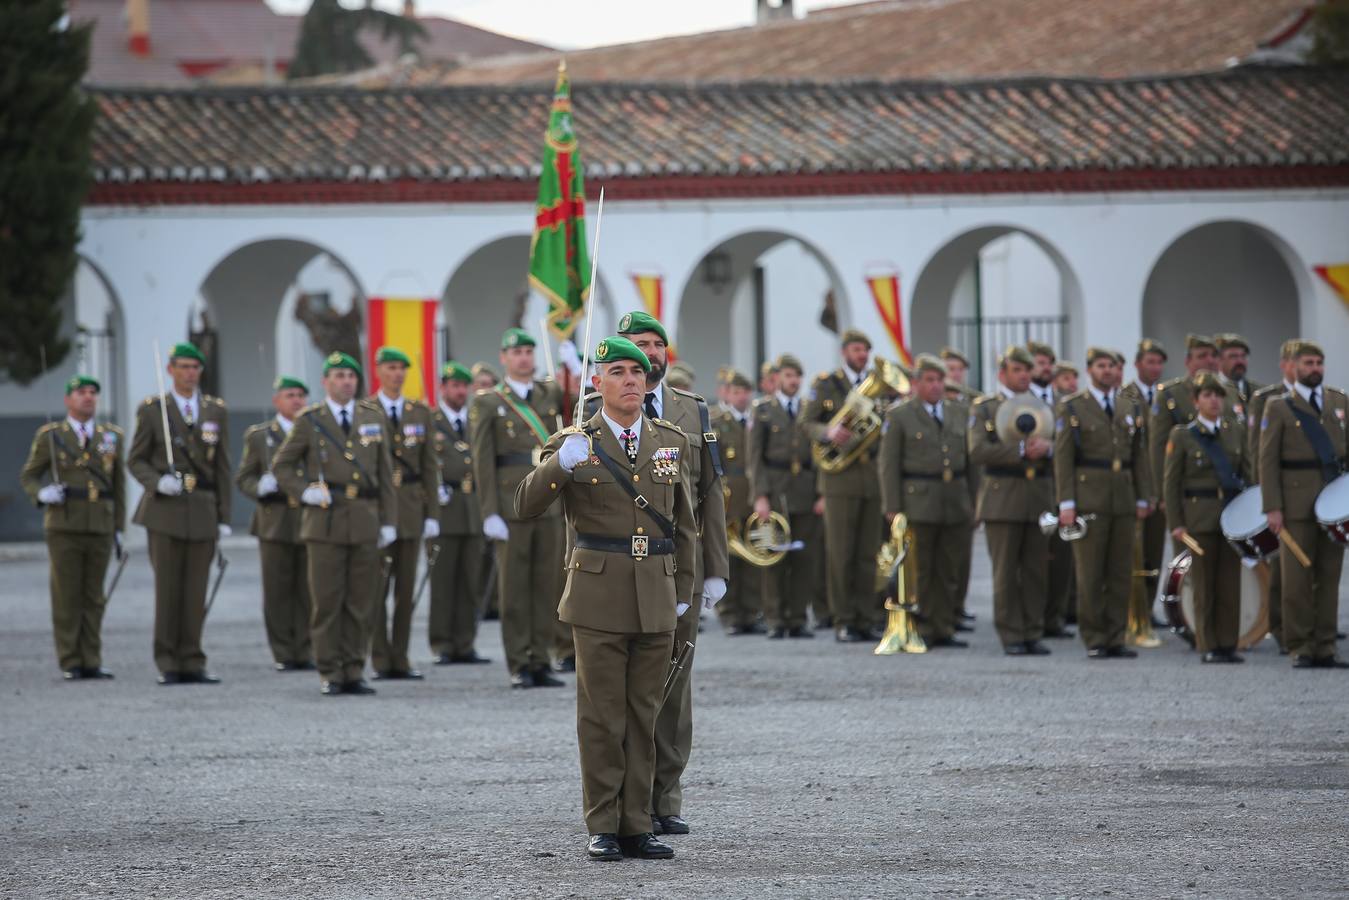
[(100, 335), (1017, 266), (719, 319), (1228, 275)]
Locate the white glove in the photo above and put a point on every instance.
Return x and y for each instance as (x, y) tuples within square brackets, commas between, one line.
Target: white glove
[(680, 609), (267, 484), (315, 495), (387, 535), (446, 494), (713, 590), (494, 527), (574, 451), (169, 485), (430, 529), (224, 530), (567, 355), (52, 494)]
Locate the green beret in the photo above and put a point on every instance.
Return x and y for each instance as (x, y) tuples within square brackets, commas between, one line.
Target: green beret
[(1040, 348), (1018, 354), (928, 362), (391, 354), (286, 381), (1308, 348), (80, 381), (854, 336), (788, 361), (186, 350), (1231, 340), (1095, 353), (739, 379), (453, 371), (1148, 345), (612, 349), (953, 353), (340, 360), (516, 337), (1195, 341), (640, 323), (1205, 380)]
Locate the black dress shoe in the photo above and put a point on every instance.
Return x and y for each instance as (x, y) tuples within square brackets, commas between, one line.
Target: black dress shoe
[(1098, 653), (800, 632), (777, 633), (1015, 650), (604, 848), (1059, 633), (866, 635), (1330, 662), (358, 687), (965, 616), (1340, 635), (74, 673), (1303, 662), (202, 677), (97, 672), (1213, 656), (306, 665), (169, 678), (1122, 653), (756, 628), (824, 623), (1035, 648), (399, 675), (565, 664), (283, 667), (669, 825), (469, 658), (961, 626), (522, 679), (739, 630), (846, 635), (545, 678), (443, 659), (949, 642), (332, 688), (645, 846)]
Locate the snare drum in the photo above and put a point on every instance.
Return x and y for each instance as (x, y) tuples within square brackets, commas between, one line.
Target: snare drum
[(1170, 589), (1332, 509), (1246, 528)]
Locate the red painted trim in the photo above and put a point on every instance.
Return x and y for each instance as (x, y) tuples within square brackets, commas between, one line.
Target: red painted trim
[(139, 44), (711, 187), (374, 339)]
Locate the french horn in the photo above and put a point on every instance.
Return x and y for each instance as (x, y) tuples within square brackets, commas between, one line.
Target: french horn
[(759, 543), (861, 415)]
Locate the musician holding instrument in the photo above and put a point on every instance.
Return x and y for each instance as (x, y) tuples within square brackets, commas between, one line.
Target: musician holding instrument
[(83, 513), (1060, 605), (1302, 449), (782, 478), (1206, 467), (1255, 413), (740, 610), (276, 525), (336, 463), (1103, 482), (923, 471), (1149, 361), (625, 490), (180, 455)]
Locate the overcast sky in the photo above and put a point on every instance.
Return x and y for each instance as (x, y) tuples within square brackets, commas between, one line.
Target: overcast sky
[(585, 23)]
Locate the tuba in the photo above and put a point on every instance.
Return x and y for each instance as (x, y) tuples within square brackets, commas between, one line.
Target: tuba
[(896, 579), (861, 414), (764, 543)]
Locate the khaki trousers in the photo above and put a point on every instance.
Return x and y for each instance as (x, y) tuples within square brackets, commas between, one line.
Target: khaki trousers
[(285, 600), (529, 574), (744, 594), (343, 581), (674, 724), (1059, 606), (1104, 559), (1154, 540), (392, 634), (795, 581), (939, 550), (456, 588), (79, 563), (182, 573), (1311, 602), (1020, 553), (1216, 579), (852, 535)]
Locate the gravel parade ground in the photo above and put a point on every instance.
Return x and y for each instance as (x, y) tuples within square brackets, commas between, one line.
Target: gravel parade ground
[(819, 770)]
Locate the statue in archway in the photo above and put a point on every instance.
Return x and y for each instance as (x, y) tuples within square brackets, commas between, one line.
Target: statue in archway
[(329, 329), (829, 312)]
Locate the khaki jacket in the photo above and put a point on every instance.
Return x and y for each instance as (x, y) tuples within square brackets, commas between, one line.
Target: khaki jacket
[(276, 516), (1190, 478), (505, 445), (1174, 405), (615, 591), (416, 474), (825, 398), (1101, 464), (1290, 470), (1255, 413), (95, 471), (357, 468), (455, 458), (924, 466), (1013, 488), (683, 409), (200, 455), (733, 439), (780, 466)]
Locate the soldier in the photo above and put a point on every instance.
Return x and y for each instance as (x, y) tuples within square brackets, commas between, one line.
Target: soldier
[(1149, 361), (484, 377), (626, 492), (456, 583), (923, 475), (689, 413), (680, 376), (739, 610), (1101, 470), (852, 499), (1255, 411), (185, 509), (276, 525), (957, 374), (1302, 448), (509, 426), (1042, 376), (416, 477), (781, 476), (1015, 492), (1060, 606), (768, 378), (1065, 378), (349, 514), (1233, 354), (84, 512), (1206, 467), (1173, 402)]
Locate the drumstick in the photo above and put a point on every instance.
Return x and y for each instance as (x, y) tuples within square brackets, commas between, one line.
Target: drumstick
[(1192, 544), (1295, 548)]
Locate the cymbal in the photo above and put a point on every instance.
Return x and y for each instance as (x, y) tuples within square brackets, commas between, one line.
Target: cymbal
[(1022, 417)]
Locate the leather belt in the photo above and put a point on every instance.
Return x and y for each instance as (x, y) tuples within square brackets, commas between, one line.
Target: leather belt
[(452, 485), (1299, 464), (1202, 493), (408, 478), (1029, 472), (637, 545), (82, 493), (1113, 464), (945, 475), (352, 491), (277, 497), (515, 459), (792, 467)]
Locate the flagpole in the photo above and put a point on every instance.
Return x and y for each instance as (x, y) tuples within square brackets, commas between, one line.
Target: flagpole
[(587, 308)]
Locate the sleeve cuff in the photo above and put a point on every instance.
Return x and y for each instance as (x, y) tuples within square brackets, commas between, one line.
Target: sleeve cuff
[(1143, 504), (1067, 505)]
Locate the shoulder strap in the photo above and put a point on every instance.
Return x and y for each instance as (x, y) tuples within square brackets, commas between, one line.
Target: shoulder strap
[(351, 458), (524, 412), (1316, 433), (92, 470), (709, 437), (1076, 424), (625, 480)]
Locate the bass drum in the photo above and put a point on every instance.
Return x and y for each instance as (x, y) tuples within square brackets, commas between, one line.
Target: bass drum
[(1332, 509), (1253, 622)]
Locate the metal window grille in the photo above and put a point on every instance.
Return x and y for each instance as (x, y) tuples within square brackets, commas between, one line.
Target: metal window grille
[(982, 339)]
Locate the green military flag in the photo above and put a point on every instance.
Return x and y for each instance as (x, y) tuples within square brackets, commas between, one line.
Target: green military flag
[(559, 261)]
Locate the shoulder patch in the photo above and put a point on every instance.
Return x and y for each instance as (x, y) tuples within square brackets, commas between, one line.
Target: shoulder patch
[(683, 393)]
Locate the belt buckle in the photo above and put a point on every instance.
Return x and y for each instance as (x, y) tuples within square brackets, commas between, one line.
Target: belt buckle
[(1030, 473), (947, 475), (397, 477), (93, 492), (1116, 465), (352, 491), (640, 546), (466, 487), (796, 467), (189, 482)]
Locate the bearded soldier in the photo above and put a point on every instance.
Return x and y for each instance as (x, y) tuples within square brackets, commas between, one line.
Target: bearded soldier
[(84, 512), (1255, 413), (1233, 357), (1149, 361)]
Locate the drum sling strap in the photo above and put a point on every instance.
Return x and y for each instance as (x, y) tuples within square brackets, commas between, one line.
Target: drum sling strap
[(667, 527), (1316, 433), (1231, 482)]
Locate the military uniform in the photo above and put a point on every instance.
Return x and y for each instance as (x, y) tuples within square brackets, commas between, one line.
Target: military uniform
[(852, 512), (624, 580), (780, 468), (1292, 474), (973, 480), (1174, 405), (285, 571), (341, 539), (1154, 526), (1101, 465), (456, 582), (739, 610), (1255, 412), (79, 531), (506, 436), (1204, 472), (1014, 493), (416, 476), (923, 475), (183, 530)]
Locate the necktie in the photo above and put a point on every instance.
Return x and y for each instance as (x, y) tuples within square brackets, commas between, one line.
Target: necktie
[(936, 414), (346, 423), (1109, 408), (630, 445), (529, 393), (393, 417), (84, 436), (791, 410), (459, 428), (1149, 390), (649, 406), (187, 413), (1316, 404)]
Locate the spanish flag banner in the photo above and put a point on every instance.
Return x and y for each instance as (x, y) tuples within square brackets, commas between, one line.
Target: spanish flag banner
[(1337, 277), (651, 288), (885, 292), (410, 325)]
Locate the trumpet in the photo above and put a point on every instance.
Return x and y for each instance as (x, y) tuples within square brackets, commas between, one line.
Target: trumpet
[(896, 578), (1076, 531), (861, 415), (759, 543)]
